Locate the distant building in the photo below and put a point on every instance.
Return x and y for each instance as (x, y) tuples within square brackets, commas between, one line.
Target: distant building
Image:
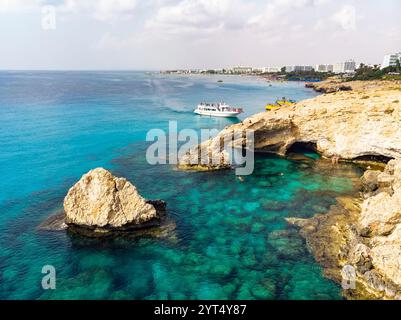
[(348, 66), (240, 69), (390, 60), (320, 68), (324, 68), (258, 70), (338, 67), (298, 68), (272, 69), (269, 69), (289, 68)]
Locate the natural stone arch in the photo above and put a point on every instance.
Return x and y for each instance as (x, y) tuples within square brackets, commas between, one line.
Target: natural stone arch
[(298, 146), (373, 157)]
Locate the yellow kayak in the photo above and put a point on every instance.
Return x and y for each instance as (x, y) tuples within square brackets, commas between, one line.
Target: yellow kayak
[(270, 107), (284, 102)]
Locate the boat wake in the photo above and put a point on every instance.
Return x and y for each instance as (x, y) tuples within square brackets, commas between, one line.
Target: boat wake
[(176, 107)]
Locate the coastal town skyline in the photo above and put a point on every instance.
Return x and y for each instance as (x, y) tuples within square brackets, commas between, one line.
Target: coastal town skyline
[(345, 67), (196, 34)]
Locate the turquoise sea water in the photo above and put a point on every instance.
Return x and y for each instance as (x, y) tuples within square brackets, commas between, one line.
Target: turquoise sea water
[(230, 240)]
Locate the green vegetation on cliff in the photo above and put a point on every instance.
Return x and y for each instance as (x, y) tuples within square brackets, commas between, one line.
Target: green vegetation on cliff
[(307, 76), (365, 72)]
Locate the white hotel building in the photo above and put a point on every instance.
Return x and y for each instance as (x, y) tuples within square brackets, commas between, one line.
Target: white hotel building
[(271, 69), (298, 68), (324, 68), (348, 66), (390, 60), (242, 69)]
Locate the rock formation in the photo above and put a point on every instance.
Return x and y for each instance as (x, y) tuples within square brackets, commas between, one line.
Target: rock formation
[(364, 233), (335, 84), (361, 123), (348, 124), (328, 86), (101, 202)]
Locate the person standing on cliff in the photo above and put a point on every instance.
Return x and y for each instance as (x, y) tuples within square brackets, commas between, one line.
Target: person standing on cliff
[(335, 159)]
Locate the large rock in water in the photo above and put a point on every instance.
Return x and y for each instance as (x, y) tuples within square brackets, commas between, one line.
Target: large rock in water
[(100, 200)]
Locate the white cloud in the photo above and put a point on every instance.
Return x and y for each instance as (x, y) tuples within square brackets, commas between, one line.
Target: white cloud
[(320, 25), (113, 42), (210, 16), (202, 16), (346, 17), (280, 14), (103, 10), (270, 17), (299, 3), (201, 32), (18, 5)]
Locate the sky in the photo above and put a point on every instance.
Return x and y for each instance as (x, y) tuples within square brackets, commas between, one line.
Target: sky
[(170, 34)]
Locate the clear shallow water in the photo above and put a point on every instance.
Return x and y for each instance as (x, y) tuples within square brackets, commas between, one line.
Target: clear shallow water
[(230, 241)]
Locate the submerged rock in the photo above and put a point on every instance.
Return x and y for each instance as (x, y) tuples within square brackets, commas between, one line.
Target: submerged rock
[(364, 233), (287, 244), (370, 180), (55, 222)]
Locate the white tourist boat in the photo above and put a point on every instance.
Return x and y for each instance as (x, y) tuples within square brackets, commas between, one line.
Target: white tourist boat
[(217, 110)]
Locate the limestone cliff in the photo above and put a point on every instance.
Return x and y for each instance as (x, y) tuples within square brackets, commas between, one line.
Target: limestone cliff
[(335, 84), (348, 125), (363, 233), (364, 121)]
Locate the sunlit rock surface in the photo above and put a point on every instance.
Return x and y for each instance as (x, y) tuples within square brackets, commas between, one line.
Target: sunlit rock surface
[(364, 233), (349, 125), (100, 200)]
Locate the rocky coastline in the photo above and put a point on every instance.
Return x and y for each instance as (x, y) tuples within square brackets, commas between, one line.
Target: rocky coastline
[(361, 123), (349, 125), (328, 86), (364, 233), (333, 84)]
